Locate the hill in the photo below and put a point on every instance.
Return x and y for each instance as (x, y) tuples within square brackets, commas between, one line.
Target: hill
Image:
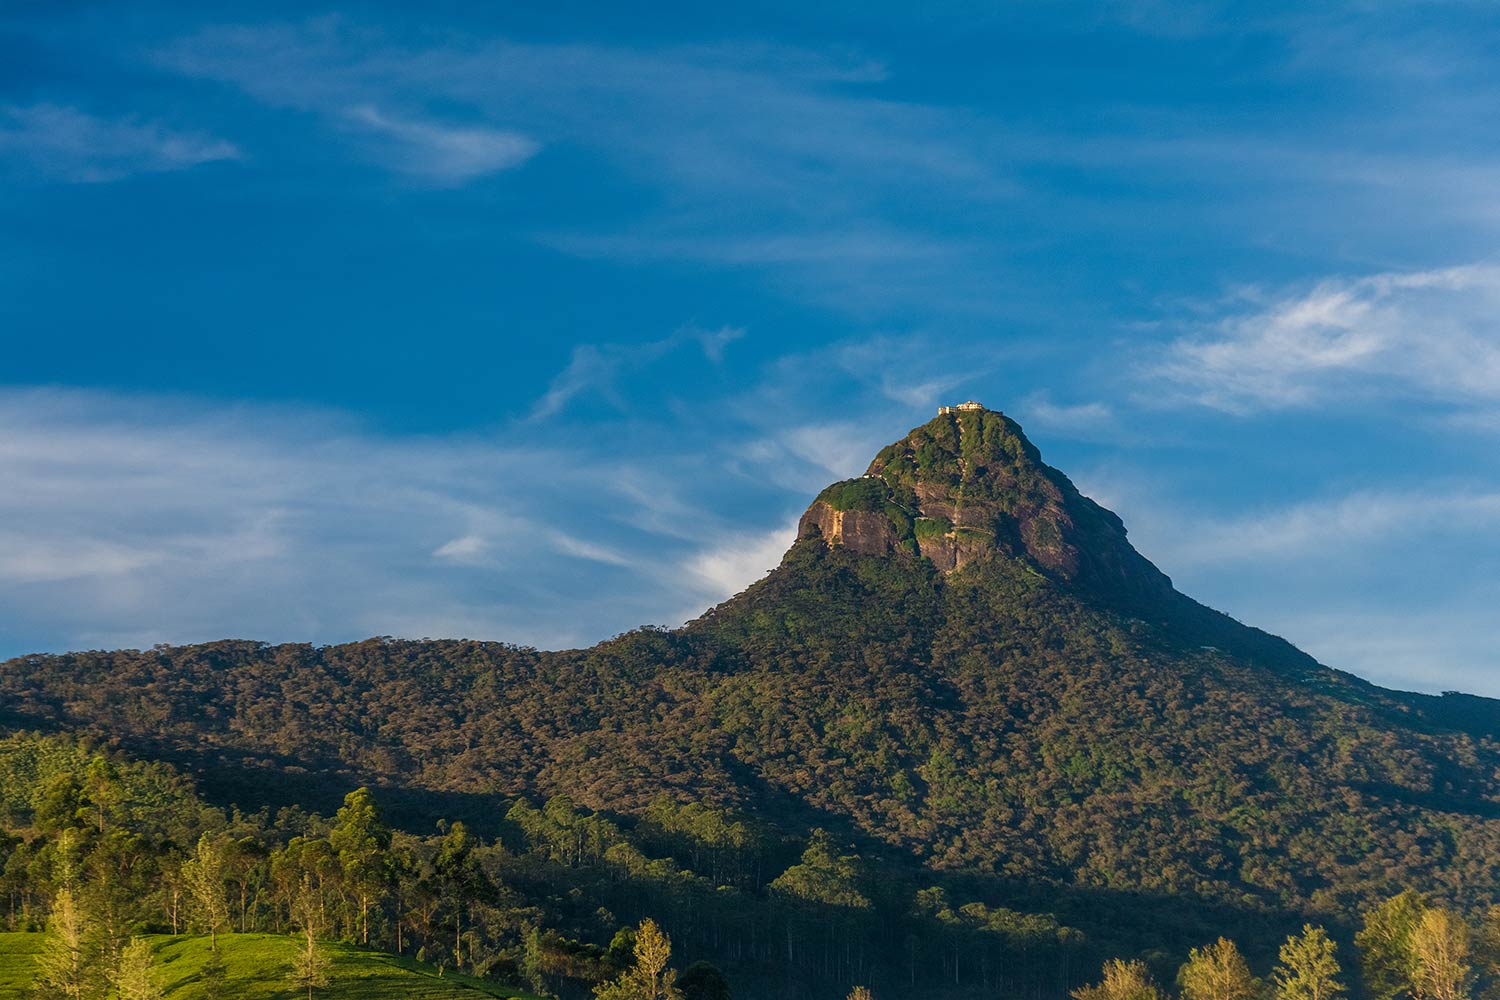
[(961, 669), (256, 966)]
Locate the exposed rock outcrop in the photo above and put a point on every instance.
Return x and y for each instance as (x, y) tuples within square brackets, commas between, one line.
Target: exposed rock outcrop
[(968, 486)]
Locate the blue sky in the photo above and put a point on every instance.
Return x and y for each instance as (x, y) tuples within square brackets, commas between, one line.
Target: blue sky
[(540, 322)]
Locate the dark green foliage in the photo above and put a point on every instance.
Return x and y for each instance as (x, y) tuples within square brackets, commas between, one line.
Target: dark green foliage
[(824, 876), (703, 981), (864, 493), (927, 527)]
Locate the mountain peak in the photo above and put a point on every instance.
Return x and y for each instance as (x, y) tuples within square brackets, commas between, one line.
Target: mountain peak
[(967, 487)]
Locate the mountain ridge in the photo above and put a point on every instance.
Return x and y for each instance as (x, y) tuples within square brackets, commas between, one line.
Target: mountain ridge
[(1039, 716), (969, 487)]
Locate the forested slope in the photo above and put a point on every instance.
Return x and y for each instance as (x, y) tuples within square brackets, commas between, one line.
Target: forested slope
[(961, 668)]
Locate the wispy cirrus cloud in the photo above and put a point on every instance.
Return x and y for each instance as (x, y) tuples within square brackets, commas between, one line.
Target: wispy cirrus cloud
[(1319, 528), (597, 368), (737, 560), (712, 117), (139, 520), (798, 163), (1093, 417), (1429, 333), (69, 144), (443, 153), (150, 518), (764, 156), (1389, 581)]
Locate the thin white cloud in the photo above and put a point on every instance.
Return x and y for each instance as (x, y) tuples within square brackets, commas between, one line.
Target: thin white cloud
[(31, 560), (716, 342), (768, 157), (592, 368), (1422, 649), (1432, 333), (597, 368), (466, 548), (151, 520), (1076, 418), (711, 117), (740, 559), (841, 450), (71, 145), (1316, 529), (443, 153), (580, 548)]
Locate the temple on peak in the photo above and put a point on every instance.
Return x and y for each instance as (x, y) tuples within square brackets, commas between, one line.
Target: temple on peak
[(966, 407)]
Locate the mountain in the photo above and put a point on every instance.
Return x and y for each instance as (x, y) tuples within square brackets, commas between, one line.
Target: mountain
[(962, 669)]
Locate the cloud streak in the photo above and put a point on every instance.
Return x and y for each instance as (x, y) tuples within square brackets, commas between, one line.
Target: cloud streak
[(596, 369), (762, 156), (441, 153), (1321, 528), (1389, 582), (1428, 333), (150, 520), (69, 144)]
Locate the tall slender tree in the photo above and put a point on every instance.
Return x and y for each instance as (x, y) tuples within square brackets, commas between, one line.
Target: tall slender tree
[(311, 969), (1309, 967), (649, 978), (204, 874), (65, 967), (1384, 944), (532, 967), (133, 979), (1217, 972), (1440, 968), (1122, 980), (362, 842)]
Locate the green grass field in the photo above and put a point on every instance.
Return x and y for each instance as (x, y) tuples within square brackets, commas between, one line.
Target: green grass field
[(257, 966), (17, 952)]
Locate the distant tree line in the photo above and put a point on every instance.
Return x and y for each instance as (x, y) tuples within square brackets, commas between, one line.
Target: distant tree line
[(1407, 950)]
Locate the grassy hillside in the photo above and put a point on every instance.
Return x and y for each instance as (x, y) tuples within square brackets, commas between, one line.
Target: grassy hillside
[(17, 953), (257, 967)]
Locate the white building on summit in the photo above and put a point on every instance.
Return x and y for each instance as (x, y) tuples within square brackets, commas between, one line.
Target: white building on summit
[(968, 407)]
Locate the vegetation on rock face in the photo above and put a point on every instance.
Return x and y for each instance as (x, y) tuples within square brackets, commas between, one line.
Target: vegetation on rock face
[(976, 471), (856, 494), (945, 779)]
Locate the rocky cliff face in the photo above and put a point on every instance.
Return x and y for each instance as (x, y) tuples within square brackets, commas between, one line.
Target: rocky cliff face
[(864, 532), (968, 487)]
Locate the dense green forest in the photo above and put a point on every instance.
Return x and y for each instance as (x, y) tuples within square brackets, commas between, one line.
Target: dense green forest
[(963, 741), (100, 851)]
